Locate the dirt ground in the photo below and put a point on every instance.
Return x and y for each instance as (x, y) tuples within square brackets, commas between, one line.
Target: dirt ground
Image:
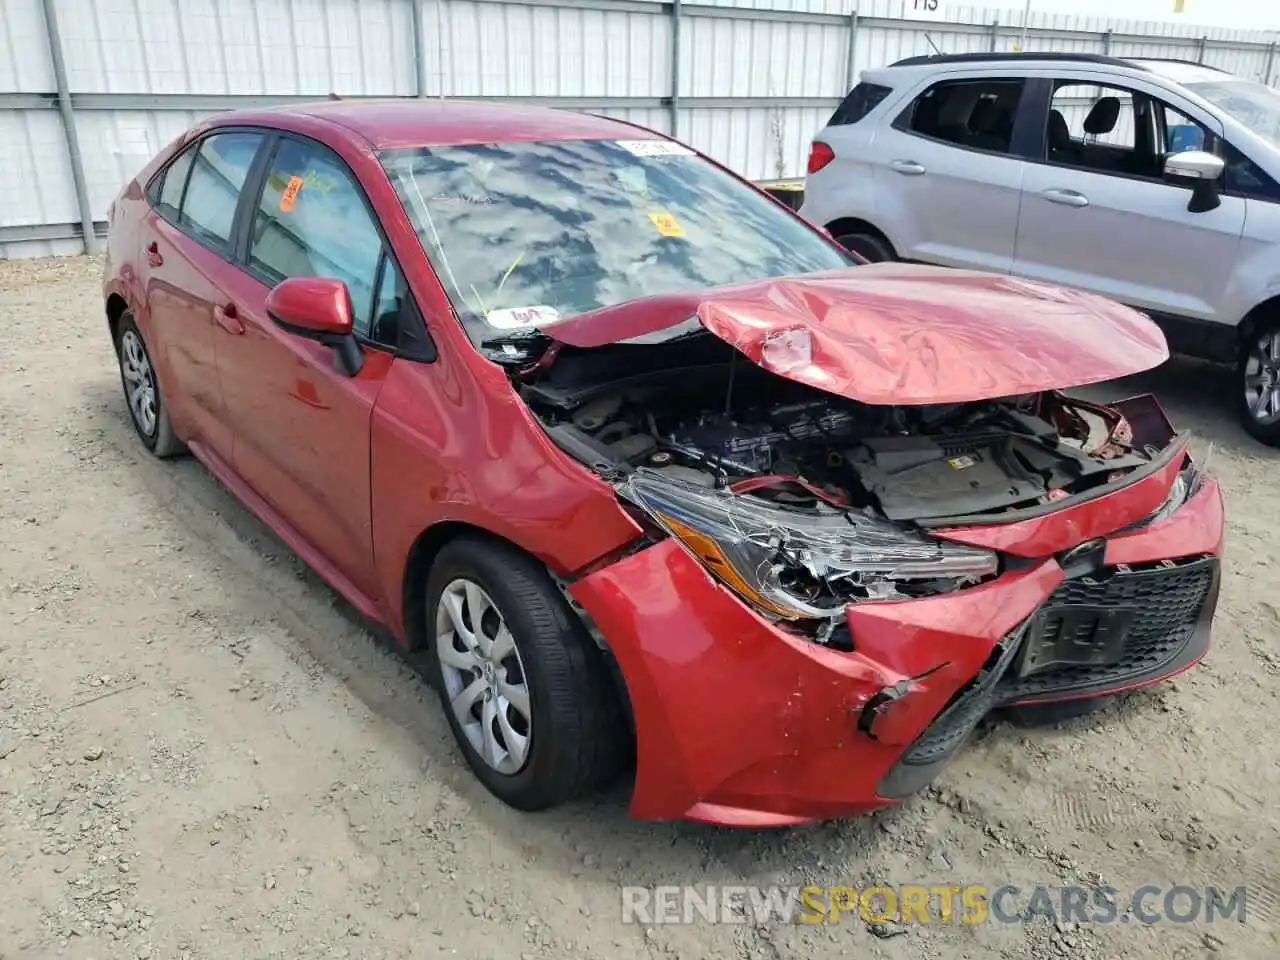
[(203, 754)]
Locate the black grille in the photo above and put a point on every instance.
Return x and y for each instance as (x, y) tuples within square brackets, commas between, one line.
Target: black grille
[(1123, 624), (966, 708), (1120, 624)]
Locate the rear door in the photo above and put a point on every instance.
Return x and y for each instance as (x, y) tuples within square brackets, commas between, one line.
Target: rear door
[(301, 426), (1097, 213), (949, 183), (185, 257)]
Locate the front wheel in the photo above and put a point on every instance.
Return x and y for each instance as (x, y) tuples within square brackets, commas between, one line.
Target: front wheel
[(1258, 383), (526, 692)]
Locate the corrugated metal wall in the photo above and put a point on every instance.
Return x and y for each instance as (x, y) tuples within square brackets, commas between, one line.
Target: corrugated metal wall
[(755, 78)]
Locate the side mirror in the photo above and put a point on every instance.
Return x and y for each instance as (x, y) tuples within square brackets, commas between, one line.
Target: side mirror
[(1199, 170), (318, 308)]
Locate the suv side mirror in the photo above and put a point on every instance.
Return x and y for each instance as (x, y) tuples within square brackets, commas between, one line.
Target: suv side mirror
[(1199, 170), (318, 308)]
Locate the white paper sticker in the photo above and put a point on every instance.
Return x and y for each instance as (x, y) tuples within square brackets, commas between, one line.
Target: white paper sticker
[(655, 148), (520, 318)]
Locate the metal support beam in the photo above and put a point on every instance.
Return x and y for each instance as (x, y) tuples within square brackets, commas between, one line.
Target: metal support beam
[(1271, 60), (673, 104), (419, 60), (45, 232), (1204, 41), (994, 40), (1106, 44), (851, 67), (91, 244), (217, 102)]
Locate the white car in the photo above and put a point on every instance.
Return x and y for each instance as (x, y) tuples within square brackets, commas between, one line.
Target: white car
[(1154, 182)]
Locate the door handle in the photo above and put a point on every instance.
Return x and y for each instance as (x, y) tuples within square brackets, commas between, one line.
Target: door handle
[(1068, 198), (153, 254), (228, 319), (908, 168)]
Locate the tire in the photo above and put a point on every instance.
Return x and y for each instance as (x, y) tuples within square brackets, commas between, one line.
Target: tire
[(869, 246), (1047, 714), (147, 410), (573, 735), (1258, 372)]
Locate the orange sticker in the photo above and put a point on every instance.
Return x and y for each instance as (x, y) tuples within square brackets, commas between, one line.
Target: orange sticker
[(668, 226), (290, 194)]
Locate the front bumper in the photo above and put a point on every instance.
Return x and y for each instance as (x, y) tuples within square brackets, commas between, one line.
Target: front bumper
[(741, 723)]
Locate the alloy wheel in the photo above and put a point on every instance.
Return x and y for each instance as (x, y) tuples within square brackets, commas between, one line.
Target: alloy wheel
[(1262, 378), (140, 382), (484, 678)]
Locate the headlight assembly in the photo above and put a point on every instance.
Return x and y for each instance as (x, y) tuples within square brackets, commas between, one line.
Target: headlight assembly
[(802, 564)]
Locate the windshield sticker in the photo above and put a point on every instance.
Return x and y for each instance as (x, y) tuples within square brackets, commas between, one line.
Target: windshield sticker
[(654, 148), (668, 226), (520, 318), (290, 194)]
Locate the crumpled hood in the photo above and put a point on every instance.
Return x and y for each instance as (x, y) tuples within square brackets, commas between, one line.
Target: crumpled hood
[(895, 333)]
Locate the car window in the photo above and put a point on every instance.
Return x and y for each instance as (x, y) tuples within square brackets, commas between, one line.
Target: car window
[(1096, 114), (1252, 104), (522, 233), (220, 168), (861, 100), (172, 182), (312, 221), (391, 301), (977, 114), (1245, 178), (1117, 131)]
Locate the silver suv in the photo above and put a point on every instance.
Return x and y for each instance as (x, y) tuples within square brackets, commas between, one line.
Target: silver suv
[(1154, 182)]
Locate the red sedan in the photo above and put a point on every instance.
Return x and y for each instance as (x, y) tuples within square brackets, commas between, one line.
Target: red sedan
[(643, 465)]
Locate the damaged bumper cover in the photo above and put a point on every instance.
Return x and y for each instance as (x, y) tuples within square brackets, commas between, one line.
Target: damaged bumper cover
[(741, 722)]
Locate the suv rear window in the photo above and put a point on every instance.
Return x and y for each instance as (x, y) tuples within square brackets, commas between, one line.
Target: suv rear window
[(977, 114), (861, 100)]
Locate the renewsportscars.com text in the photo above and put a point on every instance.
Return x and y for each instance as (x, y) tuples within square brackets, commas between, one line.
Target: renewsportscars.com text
[(932, 904)]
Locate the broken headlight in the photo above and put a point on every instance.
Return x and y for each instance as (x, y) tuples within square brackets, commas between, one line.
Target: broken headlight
[(801, 564), (1185, 486)]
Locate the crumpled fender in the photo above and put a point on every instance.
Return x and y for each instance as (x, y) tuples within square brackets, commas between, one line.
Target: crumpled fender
[(728, 708)]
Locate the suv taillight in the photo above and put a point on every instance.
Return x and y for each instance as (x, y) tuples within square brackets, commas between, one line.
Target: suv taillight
[(819, 156)]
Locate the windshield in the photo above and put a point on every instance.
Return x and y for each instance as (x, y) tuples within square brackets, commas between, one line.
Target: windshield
[(1251, 104), (524, 234)]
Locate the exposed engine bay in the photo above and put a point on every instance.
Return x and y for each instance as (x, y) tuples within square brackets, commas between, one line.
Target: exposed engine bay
[(834, 497)]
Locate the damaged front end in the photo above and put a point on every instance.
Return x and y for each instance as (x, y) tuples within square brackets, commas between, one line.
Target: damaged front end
[(804, 503)]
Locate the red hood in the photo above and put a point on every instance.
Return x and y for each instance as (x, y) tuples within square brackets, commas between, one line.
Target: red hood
[(895, 333)]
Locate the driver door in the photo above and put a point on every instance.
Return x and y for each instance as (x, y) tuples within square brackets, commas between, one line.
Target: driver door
[(1097, 214), (301, 425)]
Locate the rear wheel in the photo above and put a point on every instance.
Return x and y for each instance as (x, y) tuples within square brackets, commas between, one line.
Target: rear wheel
[(869, 246), (1258, 383), (526, 692), (142, 393)]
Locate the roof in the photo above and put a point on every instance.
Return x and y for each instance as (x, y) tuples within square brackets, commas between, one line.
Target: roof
[(389, 124), (1182, 71)]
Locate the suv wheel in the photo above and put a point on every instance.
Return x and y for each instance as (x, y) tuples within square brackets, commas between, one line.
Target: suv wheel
[(1259, 383), (869, 246)]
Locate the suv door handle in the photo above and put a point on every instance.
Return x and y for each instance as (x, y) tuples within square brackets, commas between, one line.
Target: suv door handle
[(908, 168), (228, 319), (153, 254), (1069, 198)]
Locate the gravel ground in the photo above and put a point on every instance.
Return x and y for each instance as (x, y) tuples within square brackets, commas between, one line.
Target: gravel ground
[(204, 754)]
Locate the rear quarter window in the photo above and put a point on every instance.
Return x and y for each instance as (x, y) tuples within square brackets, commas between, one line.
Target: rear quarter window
[(861, 100)]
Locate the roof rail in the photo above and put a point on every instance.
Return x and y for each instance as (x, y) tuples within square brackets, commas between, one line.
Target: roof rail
[(1189, 63), (1015, 57)]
